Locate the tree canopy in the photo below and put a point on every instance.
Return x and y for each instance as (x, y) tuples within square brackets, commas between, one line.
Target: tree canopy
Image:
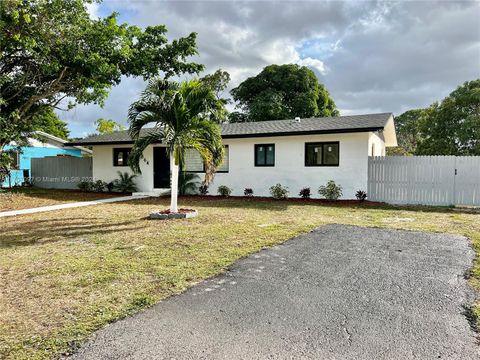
[(48, 121), (282, 92), (52, 50), (106, 126), (218, 82), (408, 135), (451, 127)]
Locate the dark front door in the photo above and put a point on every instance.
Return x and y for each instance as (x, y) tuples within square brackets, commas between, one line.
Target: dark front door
[(161, 168)]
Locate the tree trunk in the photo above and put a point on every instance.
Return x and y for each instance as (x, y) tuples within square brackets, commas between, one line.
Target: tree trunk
[(174, 181)]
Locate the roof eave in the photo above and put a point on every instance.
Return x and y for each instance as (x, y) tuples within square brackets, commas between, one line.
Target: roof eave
[(90, 143), (299, 133)]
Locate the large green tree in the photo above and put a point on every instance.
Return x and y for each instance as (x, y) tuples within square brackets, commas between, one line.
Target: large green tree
[(182, 114), (52, 50), (282, 92), (452, 127), (408, 133), (218, 82), (106, 126), (48, 121)]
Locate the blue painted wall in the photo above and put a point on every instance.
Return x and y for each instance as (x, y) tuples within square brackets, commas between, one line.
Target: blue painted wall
[(16, 176)]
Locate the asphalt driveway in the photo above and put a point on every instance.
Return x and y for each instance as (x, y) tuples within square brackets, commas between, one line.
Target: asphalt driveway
[(340, 292)]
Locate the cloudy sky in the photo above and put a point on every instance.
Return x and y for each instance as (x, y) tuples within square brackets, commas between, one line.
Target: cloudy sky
[(372, 56)]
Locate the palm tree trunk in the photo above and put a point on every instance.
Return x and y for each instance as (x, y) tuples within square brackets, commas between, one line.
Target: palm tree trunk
[(174, 186)]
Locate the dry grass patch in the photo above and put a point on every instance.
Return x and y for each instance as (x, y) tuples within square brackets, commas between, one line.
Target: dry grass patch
[(26, 198), (65, 274)]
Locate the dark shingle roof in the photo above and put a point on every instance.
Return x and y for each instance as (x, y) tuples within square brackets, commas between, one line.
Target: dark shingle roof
[(354, 123), (326, 125)]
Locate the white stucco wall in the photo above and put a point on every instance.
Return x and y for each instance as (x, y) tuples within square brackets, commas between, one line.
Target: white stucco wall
[(376, 144), (103, 168), (289, 169)]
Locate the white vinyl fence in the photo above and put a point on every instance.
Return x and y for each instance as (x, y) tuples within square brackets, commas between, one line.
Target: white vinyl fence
[(426, 180)]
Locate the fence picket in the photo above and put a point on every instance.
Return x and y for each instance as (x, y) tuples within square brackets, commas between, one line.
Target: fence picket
[(58, 172), (427, 180)]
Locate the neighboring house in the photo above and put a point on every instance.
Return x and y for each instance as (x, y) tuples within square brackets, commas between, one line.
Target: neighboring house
[(39, 146), (295, 153)]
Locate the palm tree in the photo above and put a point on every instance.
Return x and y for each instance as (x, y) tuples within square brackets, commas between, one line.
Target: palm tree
[(184, 115)]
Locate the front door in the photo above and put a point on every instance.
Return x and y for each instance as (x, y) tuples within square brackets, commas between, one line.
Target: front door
[(161, 168)]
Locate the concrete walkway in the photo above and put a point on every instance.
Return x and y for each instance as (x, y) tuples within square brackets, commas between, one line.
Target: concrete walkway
[(70, 205)]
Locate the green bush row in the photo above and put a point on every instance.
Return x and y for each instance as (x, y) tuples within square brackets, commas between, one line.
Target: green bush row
[(330, 191), (124, 184)]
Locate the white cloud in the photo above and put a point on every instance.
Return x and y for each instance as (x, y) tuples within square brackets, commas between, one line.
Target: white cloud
[(313, 63), (93, 10), (372, 56), (278, 52)]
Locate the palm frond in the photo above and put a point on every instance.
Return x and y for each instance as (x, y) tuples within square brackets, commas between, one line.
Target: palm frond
[(141, 143), (125, 182), (182, 113), (200, 99), (139, 115), (207, 140), (154, 105)]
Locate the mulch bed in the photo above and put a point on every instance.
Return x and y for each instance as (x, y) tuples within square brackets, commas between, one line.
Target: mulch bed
[(290, 200), (180, 211)]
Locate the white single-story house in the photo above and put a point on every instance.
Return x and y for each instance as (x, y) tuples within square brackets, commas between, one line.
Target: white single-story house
[(296, 153)]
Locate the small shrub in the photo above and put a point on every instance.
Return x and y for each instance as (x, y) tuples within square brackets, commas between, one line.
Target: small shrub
[(224, 190), (248, 192), (203, 190), (305, 193), (331, 191), (99, 186), (27, 182), (279, 192), (110, 186), (125, 182), (361, 195), (86, 185)]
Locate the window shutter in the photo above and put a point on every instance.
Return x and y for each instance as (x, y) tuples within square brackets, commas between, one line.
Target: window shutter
[(193, 161)]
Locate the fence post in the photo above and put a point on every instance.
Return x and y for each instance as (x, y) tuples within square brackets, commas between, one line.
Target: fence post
[(454, 196)]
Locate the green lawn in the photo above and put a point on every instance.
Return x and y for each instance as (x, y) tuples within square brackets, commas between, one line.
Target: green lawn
[(65, 274), (30, 197)]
